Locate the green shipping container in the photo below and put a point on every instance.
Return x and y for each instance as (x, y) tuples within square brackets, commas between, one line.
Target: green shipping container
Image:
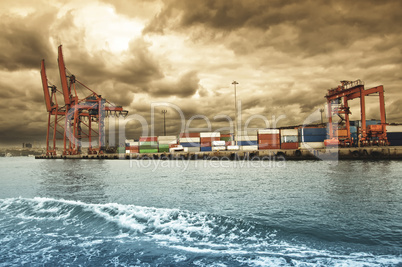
[(152, 143), (154, 150), (121, 150), (226, 139)]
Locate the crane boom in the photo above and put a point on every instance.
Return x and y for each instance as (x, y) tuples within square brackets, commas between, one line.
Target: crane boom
[(63, 78), (45, 86)]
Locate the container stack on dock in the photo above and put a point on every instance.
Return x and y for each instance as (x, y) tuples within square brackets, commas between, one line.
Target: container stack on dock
[(207, 138), (394, 135), (269, 139), (132, 146), (289, 139), (148, 144), (312, 137), (190, 141), (166, 142), (248, 141)]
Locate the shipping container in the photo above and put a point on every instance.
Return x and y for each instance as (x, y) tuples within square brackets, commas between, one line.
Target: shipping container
[(353, 129), (167, 138), (192, 144), (341, 132), (192, 149), (270, 142), (293, 145), (205, 149), (394, 128), (226, 138), (189, 135), (394, 136), (395, 142), (121, 150), (166, 142), (312, 131), (289, 139), (312, 145), (272, 137), (247, 138), (206, 144), (148, 139), (375, 128), (232, 148), (268, 131), (285, 132), (218, 143), (209, 139), (163, 148), (249, 148), (153, 150), (210, 134), (247, 143), (218, 148), (149, 143), (268, 146), (190, 140), (313, 138)]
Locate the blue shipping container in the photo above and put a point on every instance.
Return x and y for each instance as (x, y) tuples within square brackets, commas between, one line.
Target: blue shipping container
[(190, 144), (313, 131), (394, 136), (353, 129), (395, 142), (314, 138), (247, 143), (206, 148)]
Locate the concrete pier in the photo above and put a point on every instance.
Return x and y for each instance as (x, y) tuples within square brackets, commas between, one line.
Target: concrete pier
[(347, 153)]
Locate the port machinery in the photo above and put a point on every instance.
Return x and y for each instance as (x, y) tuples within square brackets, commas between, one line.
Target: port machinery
[(79, 121), (337, 104)]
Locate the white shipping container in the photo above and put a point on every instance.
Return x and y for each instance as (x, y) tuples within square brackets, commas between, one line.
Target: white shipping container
[(134, 143), (246, 138), (218, 148), (289, 139), (167, 138), (268, 131), (167, 142), (289, 132), (232, 147), (174, 149), (311, 145), (218, 143), (127, 151), (190, 140), (394, 128), (249, 148), (210, 134), (129, 140), (192, 149)]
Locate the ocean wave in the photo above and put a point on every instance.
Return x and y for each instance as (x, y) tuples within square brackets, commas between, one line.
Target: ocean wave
[(43, 227)]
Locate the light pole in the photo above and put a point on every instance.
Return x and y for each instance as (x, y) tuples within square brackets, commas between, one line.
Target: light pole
[(235, 133), (164, 121), (321, 110)]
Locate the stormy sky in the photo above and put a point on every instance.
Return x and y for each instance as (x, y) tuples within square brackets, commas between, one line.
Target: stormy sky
[(284, 55)]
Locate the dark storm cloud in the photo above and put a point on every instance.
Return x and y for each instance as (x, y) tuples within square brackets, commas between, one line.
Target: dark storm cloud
[(24, 41), (185, 86), (317, 26)]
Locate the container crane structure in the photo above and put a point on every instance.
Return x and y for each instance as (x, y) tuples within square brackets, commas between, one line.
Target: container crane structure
[(349, 90), (84, 119)]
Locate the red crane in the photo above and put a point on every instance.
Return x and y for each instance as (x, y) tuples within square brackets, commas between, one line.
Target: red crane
[(349, 90), (84, 119)]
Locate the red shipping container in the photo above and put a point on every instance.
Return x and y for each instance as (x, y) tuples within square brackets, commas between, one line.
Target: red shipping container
[(229, 143), (206, 144), (271, 142), (226, 135), (290, 145), (184, 135), (209, 139), (148, 139), (269, 137), (268, 146), (173, 145)]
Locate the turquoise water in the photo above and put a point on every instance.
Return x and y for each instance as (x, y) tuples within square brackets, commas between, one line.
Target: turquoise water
[(200, 213)]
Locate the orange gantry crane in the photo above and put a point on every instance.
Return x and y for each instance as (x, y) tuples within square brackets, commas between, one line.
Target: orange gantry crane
[(84, 119), (349, 90)]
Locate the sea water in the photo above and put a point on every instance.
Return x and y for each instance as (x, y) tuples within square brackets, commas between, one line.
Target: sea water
[(200, 213)]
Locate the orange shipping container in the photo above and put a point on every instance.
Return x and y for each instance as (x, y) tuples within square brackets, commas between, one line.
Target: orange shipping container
[(272, 142), (206, 144), (290, 145), (209, 139), (269, 137), (268, 146), (183, 135)]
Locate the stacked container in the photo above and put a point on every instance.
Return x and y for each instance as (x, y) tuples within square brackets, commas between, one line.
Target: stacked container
[(191, 141), (394, 135), (207, 138), (227, 138), (269, 139), (248, 141), (132, 146), (312, 137), (289, 139), (166, 142), (148, 144), (218, 145)]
